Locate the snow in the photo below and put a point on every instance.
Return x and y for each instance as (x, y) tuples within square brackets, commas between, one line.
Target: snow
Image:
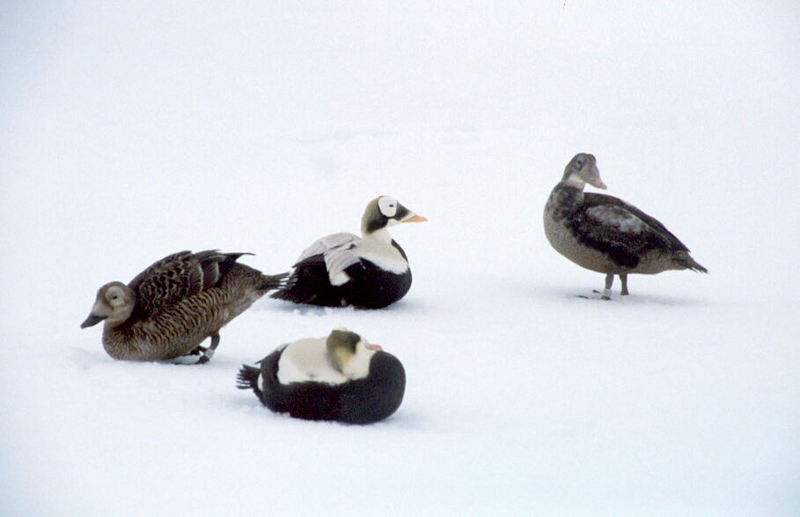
[(132, 130)]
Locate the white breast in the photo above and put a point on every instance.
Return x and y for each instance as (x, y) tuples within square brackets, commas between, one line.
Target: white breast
[(382, 254)]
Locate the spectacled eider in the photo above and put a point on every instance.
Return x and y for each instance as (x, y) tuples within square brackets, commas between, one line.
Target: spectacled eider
[(341, 378), (342, 269), (172, 306), (605, 234)]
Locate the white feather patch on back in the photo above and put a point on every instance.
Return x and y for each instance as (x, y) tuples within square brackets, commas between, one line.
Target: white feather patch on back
[(617, 216), (383, 255), (337, 260), (335, 250), (328, 243), (308, 360), (342, 250)]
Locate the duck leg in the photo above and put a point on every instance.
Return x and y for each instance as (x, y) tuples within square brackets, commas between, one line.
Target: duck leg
[(607, 291), (623, 277), (208, 353)]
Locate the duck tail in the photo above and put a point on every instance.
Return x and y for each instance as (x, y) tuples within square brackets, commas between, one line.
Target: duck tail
[(686, 260), (248, 378), (228, 261), (270, 282)]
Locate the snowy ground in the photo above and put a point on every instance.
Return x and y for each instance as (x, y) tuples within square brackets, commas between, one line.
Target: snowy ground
[(129, 132)]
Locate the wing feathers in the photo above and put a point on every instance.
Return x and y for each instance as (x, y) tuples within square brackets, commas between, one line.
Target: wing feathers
[(621, 230), (179, 276)]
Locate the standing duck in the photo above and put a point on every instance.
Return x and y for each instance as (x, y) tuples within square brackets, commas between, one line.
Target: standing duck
[(342, 269), (341, 378), (175, 304), (605, 234)]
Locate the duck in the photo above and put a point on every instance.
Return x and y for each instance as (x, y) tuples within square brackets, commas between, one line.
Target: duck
[(170, 308), (341, 378), (342, 269), (605, 234)]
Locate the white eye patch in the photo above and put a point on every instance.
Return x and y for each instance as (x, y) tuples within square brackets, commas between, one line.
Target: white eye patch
[(114, 295), (388, 206)]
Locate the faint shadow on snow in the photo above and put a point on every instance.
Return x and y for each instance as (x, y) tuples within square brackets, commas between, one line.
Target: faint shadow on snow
[(578, 295), (247, 406), (638, 299), (411, 306), (651, 299), (86, 359)]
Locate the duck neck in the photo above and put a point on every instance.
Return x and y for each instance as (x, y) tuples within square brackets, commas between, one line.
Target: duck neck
[(573, 180), (566, 196), (120, 316), (380, 235)]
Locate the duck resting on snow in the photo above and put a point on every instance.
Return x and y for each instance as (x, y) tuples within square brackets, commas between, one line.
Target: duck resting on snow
[(342, 269), (175, 304), (341, 378), (605, 234)]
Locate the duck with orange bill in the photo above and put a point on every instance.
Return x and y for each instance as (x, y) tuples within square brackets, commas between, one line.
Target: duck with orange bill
[(369, 272)]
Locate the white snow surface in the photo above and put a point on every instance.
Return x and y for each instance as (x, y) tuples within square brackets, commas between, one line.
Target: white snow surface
[(131, 130)]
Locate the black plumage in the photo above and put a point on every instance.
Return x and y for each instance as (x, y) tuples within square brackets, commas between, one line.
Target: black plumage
[(369, 272), (361, 401), (370, 287)]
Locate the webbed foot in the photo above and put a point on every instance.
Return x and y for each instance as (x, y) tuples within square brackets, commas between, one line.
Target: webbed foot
[(606, 293), (208, 353)]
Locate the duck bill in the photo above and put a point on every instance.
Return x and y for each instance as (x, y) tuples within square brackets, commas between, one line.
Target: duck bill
[(373, 346), (415, 219), (92, 320), (597, 182)]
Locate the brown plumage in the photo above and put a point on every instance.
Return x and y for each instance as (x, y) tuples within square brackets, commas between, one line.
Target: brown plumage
[(605, 234), (168, 309)]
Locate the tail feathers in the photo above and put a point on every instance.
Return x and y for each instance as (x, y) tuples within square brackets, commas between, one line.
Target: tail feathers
[(248, 378), (229, 260), (235, 256), (296, 290), (274, 281), (281, 294), (685, 260)]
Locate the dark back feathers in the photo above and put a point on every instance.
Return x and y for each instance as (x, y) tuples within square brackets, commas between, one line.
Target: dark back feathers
[(625, 248), (179, 276)]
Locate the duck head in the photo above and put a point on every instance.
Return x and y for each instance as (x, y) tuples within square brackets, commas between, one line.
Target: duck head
[(349, 353), (385, 211), (582, 169), (114, 303)]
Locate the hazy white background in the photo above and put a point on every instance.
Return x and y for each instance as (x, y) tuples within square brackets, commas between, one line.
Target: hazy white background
[(132, 130)]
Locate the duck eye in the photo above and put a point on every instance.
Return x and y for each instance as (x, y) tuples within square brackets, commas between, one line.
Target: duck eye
[(388, 207)]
